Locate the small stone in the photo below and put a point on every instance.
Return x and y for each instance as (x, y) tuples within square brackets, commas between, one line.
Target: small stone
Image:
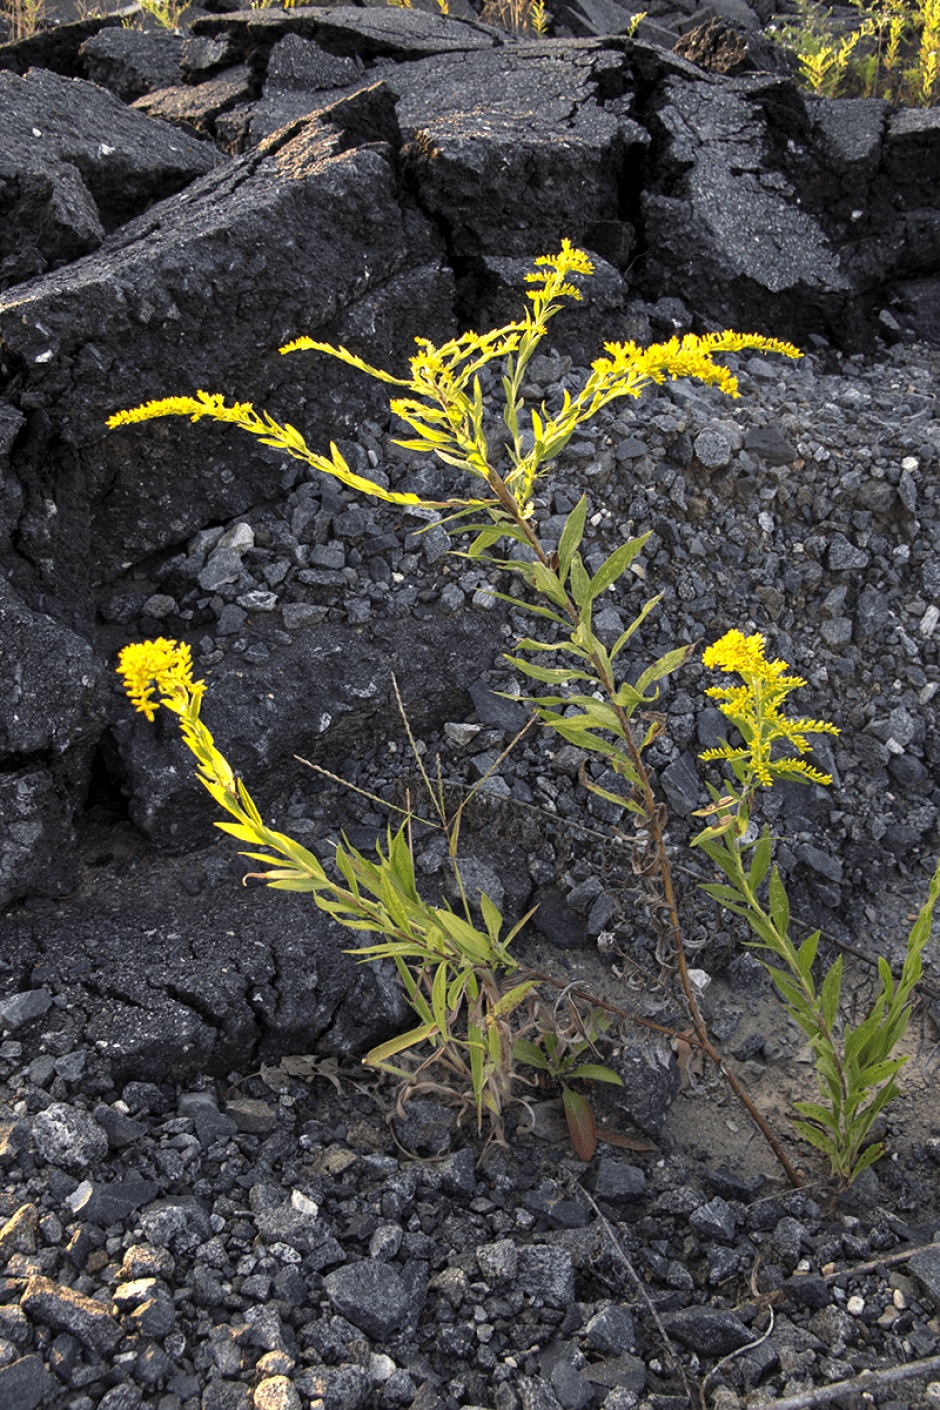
[(231, 620), (611, 1331), (257, 601), (65, 1135), (276, 1393), (22, 1008), (709, 1331), (548, 1273), (843, 554), (619, 1183), (68, 1311), (715, 1220), (713, 449), (297, 615), (498, 1262), (251, 1115), (370, 1295), (681, 784), (24, 1383), (160, 605), (18, 1234), (112, 1203)]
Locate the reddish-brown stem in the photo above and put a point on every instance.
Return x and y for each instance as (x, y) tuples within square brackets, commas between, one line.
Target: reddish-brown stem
[(506, 499)]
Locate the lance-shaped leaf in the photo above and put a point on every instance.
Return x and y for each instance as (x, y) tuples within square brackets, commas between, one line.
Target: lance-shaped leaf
[(580, 1124), (615, 566), (571, 537)]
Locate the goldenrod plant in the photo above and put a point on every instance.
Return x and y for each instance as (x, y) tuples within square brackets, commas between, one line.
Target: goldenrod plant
[(450, 969), (892, 52), (855, 1066)]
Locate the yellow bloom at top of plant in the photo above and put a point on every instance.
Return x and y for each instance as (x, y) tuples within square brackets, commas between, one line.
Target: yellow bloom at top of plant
[(162, 665), (744, 654), (754, 710)]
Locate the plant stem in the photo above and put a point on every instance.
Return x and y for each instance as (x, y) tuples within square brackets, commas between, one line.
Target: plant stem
[(507, 500)]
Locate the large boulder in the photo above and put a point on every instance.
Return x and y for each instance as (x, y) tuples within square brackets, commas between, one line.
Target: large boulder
[(76, 163), (312, 233)]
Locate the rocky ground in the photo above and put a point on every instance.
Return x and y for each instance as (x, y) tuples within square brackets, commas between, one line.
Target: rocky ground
[(267, 1233)]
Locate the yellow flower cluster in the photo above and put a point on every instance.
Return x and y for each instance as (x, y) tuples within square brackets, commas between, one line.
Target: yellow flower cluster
[(692, 357), (160, 665), (202, 404), (754, 709)]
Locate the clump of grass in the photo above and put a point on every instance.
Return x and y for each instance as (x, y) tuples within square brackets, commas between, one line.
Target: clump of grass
[(23, 17), (891, 52)]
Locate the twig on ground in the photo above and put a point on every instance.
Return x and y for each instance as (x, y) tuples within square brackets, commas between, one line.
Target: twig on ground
[(865, 1381), (726, 1360), (640, 1287), (886, 1262)]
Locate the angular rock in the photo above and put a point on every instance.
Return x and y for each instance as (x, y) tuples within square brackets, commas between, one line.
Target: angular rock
[(24, 1383), (370, 1295), (113, 1202), (22, 1008), (650, 1084), (710, 1331), (76, 164), (66, 1310), (761, 259), (67, 1136), (548, 1273), (505, 187), (130, 63), (339, 212)]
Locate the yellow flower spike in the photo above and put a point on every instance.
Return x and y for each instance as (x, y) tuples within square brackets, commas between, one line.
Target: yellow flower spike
[(162, 665), (754, 709)]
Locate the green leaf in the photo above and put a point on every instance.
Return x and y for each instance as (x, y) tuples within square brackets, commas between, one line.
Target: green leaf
[(472, 945), (760, 862), (596, 1072), (580, 1124), (546, 582), (664, 666), (398, 1045), (818, 1113), (439, 998), (571, 537), (867, 1157), (617, 799), (821, 1142), (492, 917), (552, 675), (511, 1000), (880, 1071), (530, 1053), (779, 905), (637, 622), (580, 582), (720, 893), (807, 954), (614, 567), (759, 924), (830, 993)]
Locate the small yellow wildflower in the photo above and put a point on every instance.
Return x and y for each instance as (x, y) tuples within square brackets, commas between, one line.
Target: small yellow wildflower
[(162, 665), (754, 710)]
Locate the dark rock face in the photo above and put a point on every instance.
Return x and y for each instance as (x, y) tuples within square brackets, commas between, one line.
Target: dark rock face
[(76, 164)]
